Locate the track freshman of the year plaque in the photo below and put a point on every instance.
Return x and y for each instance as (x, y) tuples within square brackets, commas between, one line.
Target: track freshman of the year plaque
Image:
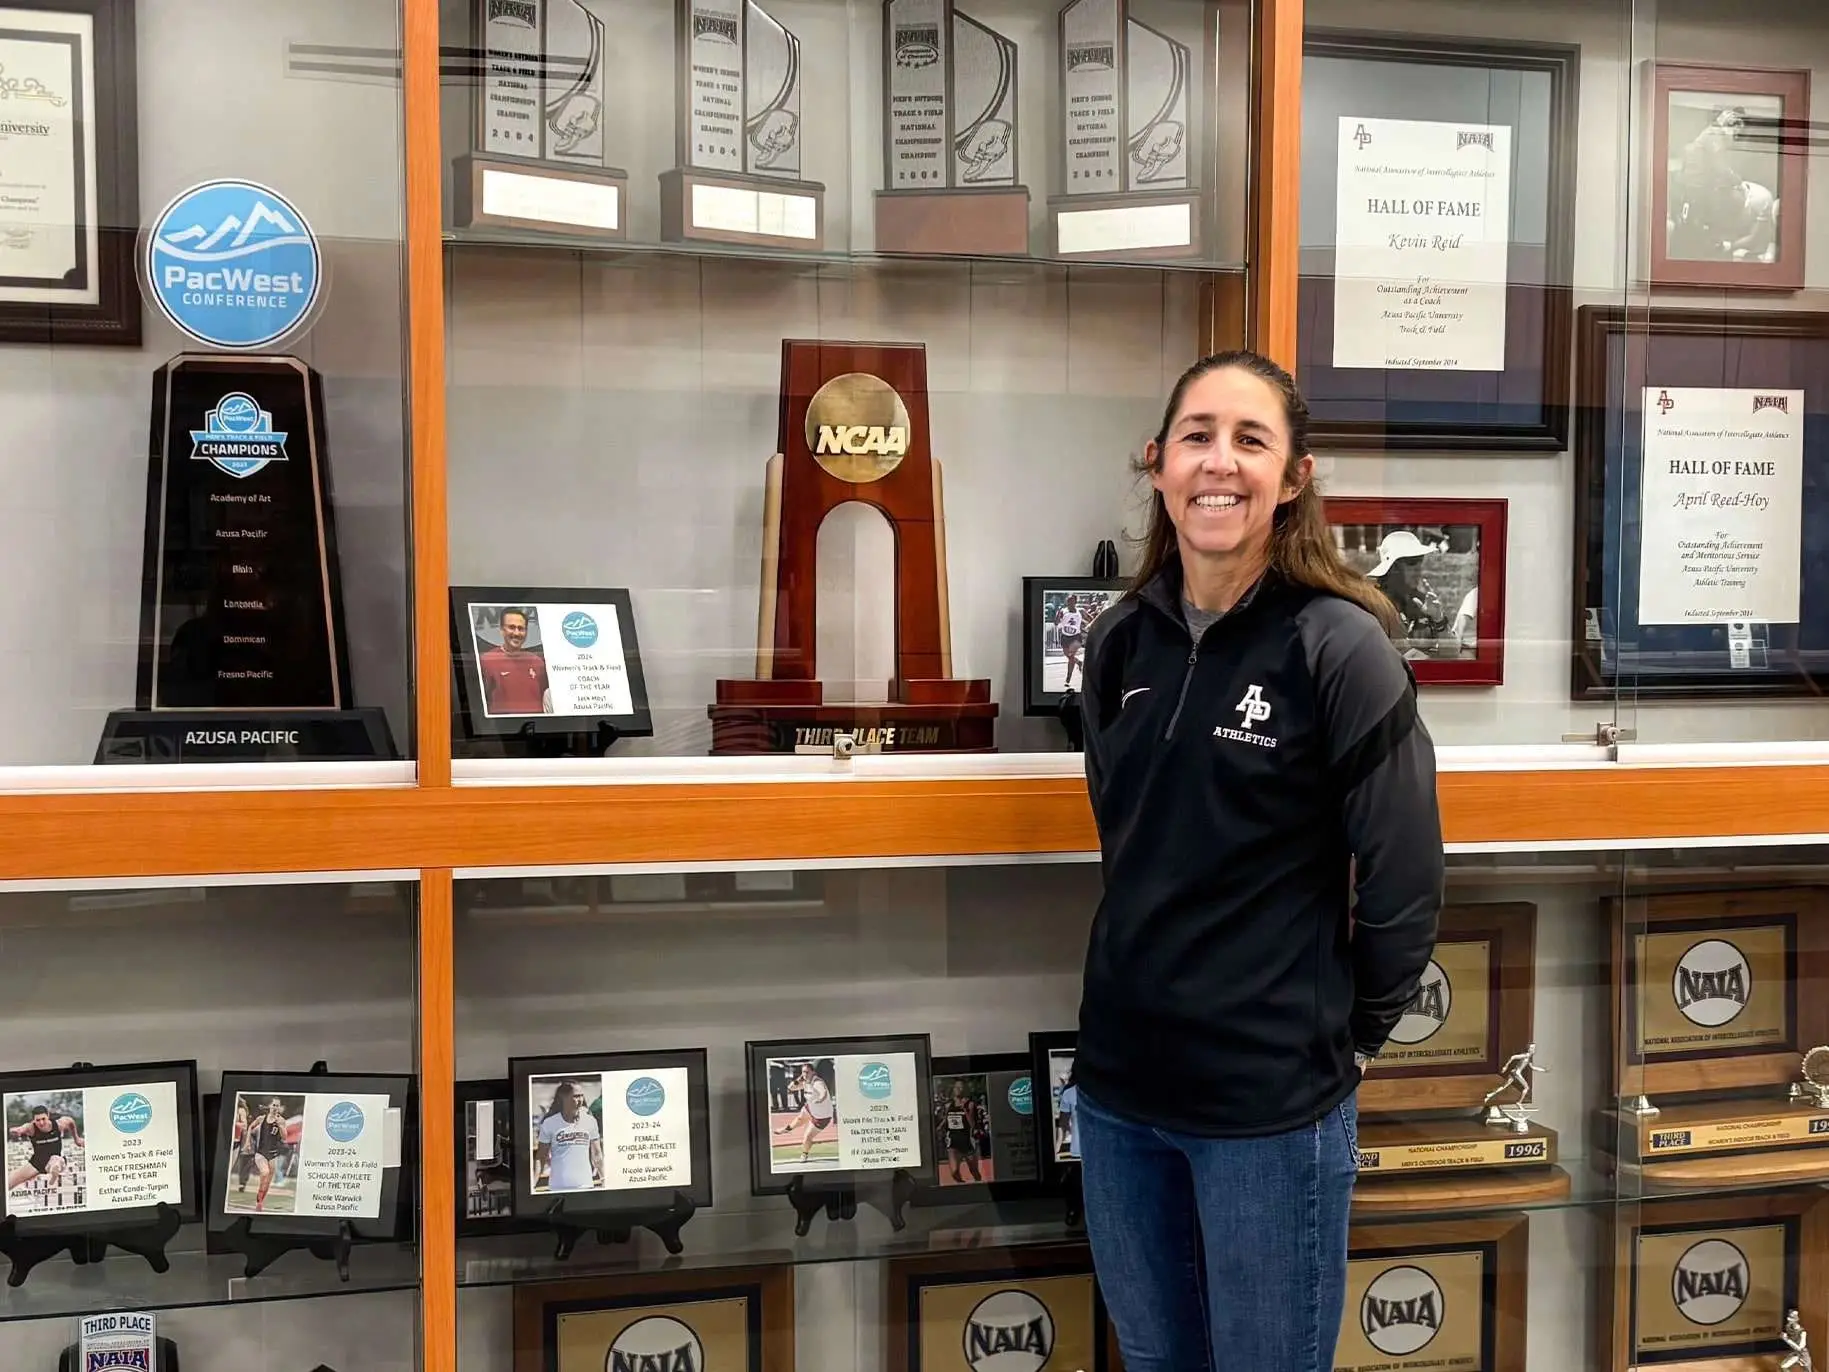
[(739, 1320)]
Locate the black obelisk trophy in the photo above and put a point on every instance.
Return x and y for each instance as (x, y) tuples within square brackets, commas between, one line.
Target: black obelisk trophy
[(242, 652)]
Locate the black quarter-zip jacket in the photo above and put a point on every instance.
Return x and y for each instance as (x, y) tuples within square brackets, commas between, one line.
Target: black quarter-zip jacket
[(1247, 787)]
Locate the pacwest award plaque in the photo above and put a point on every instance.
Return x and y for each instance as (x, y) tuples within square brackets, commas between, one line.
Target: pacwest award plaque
[(242, 652), (997, 1308), (1718, 1285), (534, 121), (1718, 1004), (1127, 138), (949, 135), (1447, 1296), (854, 427), (1447, 1116), (739, 174), (741, 1319)]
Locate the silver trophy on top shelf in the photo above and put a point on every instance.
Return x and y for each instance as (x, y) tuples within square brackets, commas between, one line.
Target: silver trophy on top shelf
[(1128, 139), (538, 131), (950, 181), (1516, 1076), (738, 132)]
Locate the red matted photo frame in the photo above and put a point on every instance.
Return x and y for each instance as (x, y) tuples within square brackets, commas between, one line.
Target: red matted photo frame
[(1442, 562), (1729, 174)]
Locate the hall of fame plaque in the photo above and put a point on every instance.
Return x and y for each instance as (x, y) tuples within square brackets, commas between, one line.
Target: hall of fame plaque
[(734, 1320), (1448, 1296), (1445, 1117), (1715, 1001), (1709, 1285), (1002, 1310)]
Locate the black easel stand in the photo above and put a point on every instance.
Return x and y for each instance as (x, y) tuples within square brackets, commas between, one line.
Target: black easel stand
[(166, 1354), (26, 1251), (580, 743), (839, 1202), (262, 1249), (618, 1226)]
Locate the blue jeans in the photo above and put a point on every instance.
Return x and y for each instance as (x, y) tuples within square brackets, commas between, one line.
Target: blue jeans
[(1220, 1255)]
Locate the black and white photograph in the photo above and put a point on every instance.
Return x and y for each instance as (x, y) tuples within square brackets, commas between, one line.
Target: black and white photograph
[(44, 1151), (510, 660), (1722, 169), (1430, 574), (488, 1159), (566, 1134), (1058, 615), (263, 1169)]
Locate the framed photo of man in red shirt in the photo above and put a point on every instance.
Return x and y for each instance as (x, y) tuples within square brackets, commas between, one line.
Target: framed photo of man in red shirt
[(543, 659)]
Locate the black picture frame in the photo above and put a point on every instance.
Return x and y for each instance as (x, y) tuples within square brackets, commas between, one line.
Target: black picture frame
[(1044, 1045), (1037, 592), (182, 1073), (1618, 353), (756, 1055), (573, 1204), (115, 318), (391, 1219), (1000, 1071), (475, 1222), (1524, 408), (470, 715)]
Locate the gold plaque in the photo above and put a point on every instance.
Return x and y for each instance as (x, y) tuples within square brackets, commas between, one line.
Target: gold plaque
[(1704, 1291), (1449, 1019), (857, 428), (1413, 1311), (1009, 1310), (735, 1320), (1706, 990), (690, 1334)]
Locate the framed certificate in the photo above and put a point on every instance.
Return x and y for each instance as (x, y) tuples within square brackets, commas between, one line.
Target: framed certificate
[(1699, 530), (1437, 241), (545, 659), (69, 172), (999, 1307)]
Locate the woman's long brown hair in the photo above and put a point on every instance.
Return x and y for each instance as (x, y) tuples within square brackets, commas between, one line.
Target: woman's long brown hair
[(1301, 545)]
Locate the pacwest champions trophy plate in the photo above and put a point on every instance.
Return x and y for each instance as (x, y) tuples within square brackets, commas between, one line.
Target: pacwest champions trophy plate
[(1019, 1308), (1440, 1297), (735, 1320), (1716, 1012), (1709, 1285), (1447, 1111)]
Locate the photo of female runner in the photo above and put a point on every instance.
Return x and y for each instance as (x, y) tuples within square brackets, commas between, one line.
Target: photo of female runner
[(271, 1129), (814, 1119)]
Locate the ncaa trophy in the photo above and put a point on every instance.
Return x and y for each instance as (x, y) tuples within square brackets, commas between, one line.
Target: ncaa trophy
[(737, 131), (1128, 139), (854, 427), (533, 121), (242, 648), (949, 135)]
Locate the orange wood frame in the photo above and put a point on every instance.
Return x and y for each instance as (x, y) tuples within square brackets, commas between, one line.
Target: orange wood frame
[(435, 827)]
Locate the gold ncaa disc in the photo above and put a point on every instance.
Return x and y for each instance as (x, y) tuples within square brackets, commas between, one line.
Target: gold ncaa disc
[(857, 428)]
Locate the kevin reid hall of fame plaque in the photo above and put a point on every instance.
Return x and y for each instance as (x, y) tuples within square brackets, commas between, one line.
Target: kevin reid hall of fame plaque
[(1446, 1296), (1720, 1039), (1447, 1111)]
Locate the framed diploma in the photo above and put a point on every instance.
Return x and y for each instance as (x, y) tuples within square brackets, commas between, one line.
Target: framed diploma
[(1702, 561), (69, 172), (1441, 564), (1437, 237), (1729, 176)]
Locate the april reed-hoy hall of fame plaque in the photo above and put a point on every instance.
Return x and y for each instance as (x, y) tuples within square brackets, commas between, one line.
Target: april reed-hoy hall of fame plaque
[(535, 130), (739, 174), (854, 427), (1445, 1296), (1720, 1039), (950, 181), (1447, 1116), (1725, 1284)]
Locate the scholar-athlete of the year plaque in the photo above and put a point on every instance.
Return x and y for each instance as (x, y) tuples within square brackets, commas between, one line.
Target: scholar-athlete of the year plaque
[(854, 427), (242, 647)]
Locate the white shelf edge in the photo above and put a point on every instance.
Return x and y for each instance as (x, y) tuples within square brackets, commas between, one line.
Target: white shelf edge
[(208, 776)]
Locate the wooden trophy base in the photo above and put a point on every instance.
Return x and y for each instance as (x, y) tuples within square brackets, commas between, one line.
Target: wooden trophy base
[(754, 211), (953, 716), (1143, 226), (1454, 1164), (1718, 1143), (991, 222), (502, 193)]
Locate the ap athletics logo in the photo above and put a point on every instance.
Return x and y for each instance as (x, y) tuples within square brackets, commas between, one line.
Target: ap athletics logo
[(232, 264)]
